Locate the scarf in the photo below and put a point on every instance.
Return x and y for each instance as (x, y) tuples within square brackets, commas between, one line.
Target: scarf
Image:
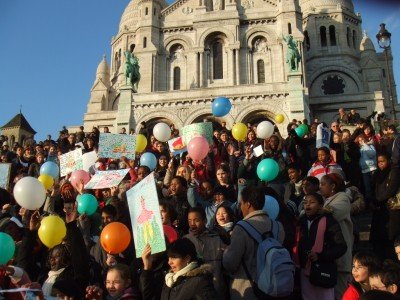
[(171, 278), (48, 284), (228, 226)]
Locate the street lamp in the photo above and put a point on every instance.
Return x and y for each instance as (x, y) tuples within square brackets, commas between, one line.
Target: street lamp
[(384, 42)]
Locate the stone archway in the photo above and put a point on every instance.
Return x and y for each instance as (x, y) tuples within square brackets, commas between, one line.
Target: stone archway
[(209, 118), (258, 116), (150, 123)]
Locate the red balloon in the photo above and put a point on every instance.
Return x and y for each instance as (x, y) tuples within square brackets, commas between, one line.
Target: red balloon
[(198, 147), (170, 233), (115, 238)]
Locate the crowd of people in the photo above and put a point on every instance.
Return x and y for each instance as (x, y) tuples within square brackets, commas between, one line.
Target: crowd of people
[(211, 203)]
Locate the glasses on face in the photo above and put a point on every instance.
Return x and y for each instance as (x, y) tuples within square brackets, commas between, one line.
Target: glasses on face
[(357, 268)]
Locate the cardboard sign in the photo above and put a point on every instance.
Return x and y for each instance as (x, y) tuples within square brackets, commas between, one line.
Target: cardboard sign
[(176, 146), (198, 129), (5, 170), (71, 161), (89, 159), (145, 216), (116, 145), (106, 179)]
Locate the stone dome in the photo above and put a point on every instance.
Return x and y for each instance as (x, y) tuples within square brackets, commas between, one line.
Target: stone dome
[(130, 16), (307, 5), (366, 43), (103, 67)]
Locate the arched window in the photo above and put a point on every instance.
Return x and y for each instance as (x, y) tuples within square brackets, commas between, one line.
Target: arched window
[(154, 11), (177, 78), (332, 35), (348, 36), (354, 39), (307, 40), (289, 28), (144, 42), (132, 47), (146, 11), (322, 32), (260, 71), (218, 71)]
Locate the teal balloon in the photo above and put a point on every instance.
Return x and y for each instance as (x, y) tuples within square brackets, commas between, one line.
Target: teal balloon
[(305, 128), (7, 248), (50, 168), (271, 207), (87, 204), (300, 132), (267, 169)]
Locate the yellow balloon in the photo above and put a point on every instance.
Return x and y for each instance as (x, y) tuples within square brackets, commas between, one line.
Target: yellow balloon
[(52, 231), (141, 143), (239, 131), (46, 180), (279, 118)]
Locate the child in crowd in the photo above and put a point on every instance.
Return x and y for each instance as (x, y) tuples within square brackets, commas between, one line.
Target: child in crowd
[(362, 264), (320, 240), (386, 278), (325, 165)]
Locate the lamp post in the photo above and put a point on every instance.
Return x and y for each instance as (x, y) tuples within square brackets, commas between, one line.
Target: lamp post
[(384, 42)]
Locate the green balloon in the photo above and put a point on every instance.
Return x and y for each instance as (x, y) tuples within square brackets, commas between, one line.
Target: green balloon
[(7, 248), (300, 132), (305, 128)]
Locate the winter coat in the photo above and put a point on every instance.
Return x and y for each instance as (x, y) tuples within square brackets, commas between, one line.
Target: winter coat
[(243, 249), (353, 292), (334, 244), (368, 158), (385, 223), (151, 282), (319, 170), (339, 206), (194, 285), (209, 248)]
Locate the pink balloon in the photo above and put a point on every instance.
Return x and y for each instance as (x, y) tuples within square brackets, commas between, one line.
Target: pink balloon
[(198, 148), (79, 176)]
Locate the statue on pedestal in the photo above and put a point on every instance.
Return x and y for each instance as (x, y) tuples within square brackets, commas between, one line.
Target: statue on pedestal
[(132, 74), (293, 56)]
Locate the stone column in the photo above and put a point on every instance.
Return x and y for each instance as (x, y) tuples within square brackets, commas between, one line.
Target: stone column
[(201, 69), (125, 116), (237, 66)]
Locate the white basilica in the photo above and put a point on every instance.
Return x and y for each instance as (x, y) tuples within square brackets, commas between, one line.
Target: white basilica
[(195, 50)]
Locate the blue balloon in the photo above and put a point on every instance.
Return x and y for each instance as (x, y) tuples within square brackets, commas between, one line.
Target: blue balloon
[(87, 204), (271, 207), (7, 248), (148, 159), (50, 168), (221, 106), (267, 169)]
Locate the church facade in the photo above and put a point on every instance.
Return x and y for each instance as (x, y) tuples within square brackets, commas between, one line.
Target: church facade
[(192, 51)]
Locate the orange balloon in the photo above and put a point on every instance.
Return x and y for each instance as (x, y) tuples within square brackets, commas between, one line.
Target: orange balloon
[(115, 238)]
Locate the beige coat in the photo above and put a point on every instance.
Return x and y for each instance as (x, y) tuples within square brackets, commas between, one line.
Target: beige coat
[(339, 205), (244, 248)]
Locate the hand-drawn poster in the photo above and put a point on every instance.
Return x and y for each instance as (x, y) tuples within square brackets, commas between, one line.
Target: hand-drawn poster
[(116, 145), (192, 130), (71, 161), (176, 146), (89, 159), (145, 216), (323, 136), (106, 179), (5, 170)]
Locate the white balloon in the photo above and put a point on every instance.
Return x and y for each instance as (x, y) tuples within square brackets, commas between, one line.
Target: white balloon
[(265, 129), (162, 132), (29, 193)]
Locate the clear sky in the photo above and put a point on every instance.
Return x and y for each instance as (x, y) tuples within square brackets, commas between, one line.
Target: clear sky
[(50, 49)]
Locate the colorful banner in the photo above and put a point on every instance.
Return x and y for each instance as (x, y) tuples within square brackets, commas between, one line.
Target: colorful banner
[(71, 161), (204, 129), (323, 136), (5, 170), (176, 146), (116, 145), (106, 179), (89, 159), (145, 216)]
